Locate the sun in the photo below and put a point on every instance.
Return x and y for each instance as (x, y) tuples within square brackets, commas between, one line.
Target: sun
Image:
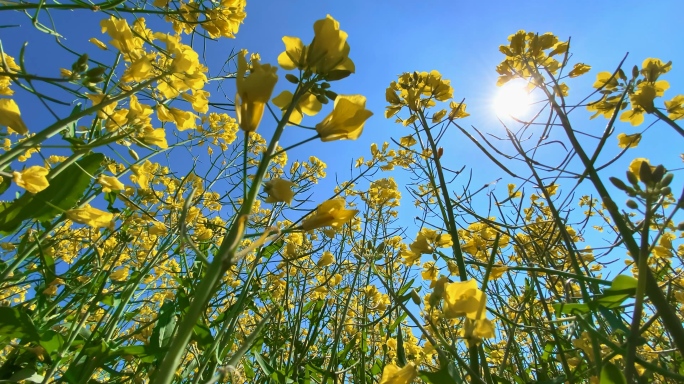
[(513, 99)]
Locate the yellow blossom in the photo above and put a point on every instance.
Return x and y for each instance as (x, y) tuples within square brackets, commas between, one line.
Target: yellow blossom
[(279, 191), (512, 193), (90, 216), (99, 99), (628, 141), (326, 259), (98, 43), (635, 165), (32, 179), (183, 119), (253, 91), (579, 69), (198, 99), (11, 117), (675, 107), (346, 120), (155, 137), (120, 274), (464, 299), (308, 104), (392, 374), (329, 49), (475, 330), (294, 55), (498, 271), (110, 183), (330, 213), (327, 55)]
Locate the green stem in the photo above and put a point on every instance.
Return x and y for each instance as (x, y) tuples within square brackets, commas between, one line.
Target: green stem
[(633, 339)]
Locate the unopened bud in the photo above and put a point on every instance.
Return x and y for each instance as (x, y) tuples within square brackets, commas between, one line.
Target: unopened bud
[(133, 154)]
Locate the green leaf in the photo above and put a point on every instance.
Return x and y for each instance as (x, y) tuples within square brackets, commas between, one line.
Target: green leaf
[(447, 374), (202, 335), (615, 322), (570, 308), (621, 288), (27, 374), (16, 323), (51, 341), (64, 191), (265, 366), (166, 323), (548, 349), (611, 374), (5, 183)]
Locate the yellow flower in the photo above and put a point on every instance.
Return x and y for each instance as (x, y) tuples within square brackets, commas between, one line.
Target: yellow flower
[(294, 55), (308, 105), (346, 120), (392, 374), (120, 274), (475, 330), (140, 70), (327, 55), (330, 213), (155, 137), (107, 109), (635, 166), (652, 68), (329, 49), (253, 91), (675, 107), (512, 193), (32, 179), (579, 69), (90, 216), (98, 43), (326, 259), (606, 80), (183, 119), (142, 173), (628, 141), (11, 117), (464, 299), (498, 271), (279, 191), (198, 99), (110, 183)]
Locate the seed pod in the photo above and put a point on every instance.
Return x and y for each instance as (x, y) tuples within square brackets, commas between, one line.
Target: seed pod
[(133, 154)]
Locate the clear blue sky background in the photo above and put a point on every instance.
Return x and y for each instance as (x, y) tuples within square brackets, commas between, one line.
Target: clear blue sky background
[(458, 38)]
